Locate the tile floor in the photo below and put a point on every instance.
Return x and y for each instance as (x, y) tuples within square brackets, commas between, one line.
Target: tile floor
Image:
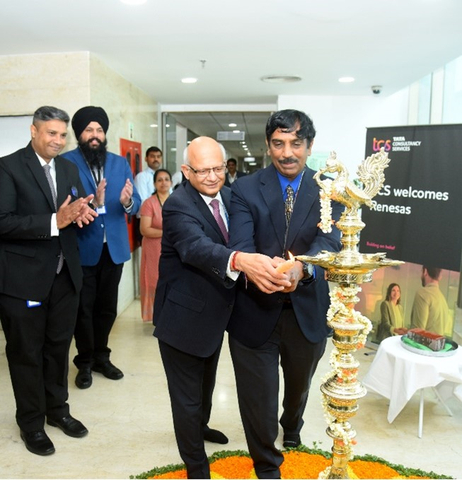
[(131, 429)]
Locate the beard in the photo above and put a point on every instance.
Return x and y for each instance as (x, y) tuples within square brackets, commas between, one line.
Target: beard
[(95, 156)]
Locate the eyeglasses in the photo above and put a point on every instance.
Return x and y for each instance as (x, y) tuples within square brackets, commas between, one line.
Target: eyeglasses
[(206, 171)]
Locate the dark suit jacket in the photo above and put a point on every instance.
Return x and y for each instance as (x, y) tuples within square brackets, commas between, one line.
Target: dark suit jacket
[(194, 297), (28, 254), (239, 175), (257, 224)]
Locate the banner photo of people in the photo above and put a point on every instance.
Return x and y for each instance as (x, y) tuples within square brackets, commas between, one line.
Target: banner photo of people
[(415, 218)]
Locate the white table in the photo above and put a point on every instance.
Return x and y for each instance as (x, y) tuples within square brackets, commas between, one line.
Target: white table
[(397, 374)]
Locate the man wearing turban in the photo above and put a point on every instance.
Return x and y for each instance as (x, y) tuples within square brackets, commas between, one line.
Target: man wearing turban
[(104, 246)]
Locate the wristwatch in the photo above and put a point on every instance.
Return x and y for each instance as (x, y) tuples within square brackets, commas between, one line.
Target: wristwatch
[(308, 270)]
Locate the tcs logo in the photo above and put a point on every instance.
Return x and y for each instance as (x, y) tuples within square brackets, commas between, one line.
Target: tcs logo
[(378, 144)]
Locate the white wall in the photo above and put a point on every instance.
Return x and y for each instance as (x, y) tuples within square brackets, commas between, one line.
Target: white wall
[(14, 133), (341, 122)]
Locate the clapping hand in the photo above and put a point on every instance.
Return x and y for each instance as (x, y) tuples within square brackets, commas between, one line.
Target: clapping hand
[(76, 212)]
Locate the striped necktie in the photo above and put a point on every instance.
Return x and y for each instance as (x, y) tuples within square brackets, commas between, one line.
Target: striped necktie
[(216, 213)]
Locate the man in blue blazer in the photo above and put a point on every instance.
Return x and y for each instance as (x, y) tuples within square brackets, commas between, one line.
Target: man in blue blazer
[(289, 326), (195, 295), (104, 246)]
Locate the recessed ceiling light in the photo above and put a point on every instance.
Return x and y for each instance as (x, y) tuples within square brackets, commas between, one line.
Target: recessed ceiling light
[(236, 131), (232, 125), (153, 125), (134, 2), (346, 79), (280, 78), (189, 80)]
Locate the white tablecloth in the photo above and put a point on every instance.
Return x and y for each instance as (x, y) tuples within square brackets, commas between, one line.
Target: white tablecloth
[(397, 373)]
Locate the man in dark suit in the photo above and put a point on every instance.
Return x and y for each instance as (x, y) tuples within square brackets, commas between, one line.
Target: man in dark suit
[(275, 211), (233, 173), (195, 296), (40, 276)]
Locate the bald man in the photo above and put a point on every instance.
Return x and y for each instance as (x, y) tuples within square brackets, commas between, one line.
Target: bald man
[(195, 295)]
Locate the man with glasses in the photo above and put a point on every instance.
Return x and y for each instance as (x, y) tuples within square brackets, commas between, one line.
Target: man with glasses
[(195, 295)]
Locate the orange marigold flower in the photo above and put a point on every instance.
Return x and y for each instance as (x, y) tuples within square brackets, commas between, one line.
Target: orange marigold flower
[(372, 470), (233, 467), (297, 464), (300, 465), (175, 474)]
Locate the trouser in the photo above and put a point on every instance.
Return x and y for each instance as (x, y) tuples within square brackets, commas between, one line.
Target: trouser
[(37, 349), (191, 381), (257, 380), (97, 310)]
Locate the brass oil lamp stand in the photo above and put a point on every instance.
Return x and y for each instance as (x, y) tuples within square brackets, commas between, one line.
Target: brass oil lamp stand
[(348, 269)]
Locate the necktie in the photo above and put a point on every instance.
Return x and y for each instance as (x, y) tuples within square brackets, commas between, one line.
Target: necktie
[(52, 186), (289, 203), (216, 213), (55, 202)]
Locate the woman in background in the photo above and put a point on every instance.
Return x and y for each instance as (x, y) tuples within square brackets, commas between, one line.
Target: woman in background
[(151, 229), (392, 314)]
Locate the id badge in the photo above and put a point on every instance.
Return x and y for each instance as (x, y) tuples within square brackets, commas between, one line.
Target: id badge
[(101, 210)]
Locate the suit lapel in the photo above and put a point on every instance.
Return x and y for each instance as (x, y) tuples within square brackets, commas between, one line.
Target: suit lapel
[(85, 169), (36, 168), (306, 195), (274, 202), (62, 183), (226, 197), (204, 208)]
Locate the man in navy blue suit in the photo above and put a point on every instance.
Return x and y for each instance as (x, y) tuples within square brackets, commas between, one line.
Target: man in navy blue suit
[(104, 245), (195, 295), (275, 211)]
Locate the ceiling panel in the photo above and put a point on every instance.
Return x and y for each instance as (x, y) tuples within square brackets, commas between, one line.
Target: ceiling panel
[(209, 123)]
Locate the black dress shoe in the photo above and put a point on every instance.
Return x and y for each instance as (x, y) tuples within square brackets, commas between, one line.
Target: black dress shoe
[(291, 441), (84, 378), (38, 442), (69, 425), (108, 370), (215, 436)]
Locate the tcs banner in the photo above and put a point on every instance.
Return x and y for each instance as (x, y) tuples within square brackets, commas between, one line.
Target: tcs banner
[(417, 215)]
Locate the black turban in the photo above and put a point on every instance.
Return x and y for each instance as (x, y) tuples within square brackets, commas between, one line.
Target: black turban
[(86, 115)]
